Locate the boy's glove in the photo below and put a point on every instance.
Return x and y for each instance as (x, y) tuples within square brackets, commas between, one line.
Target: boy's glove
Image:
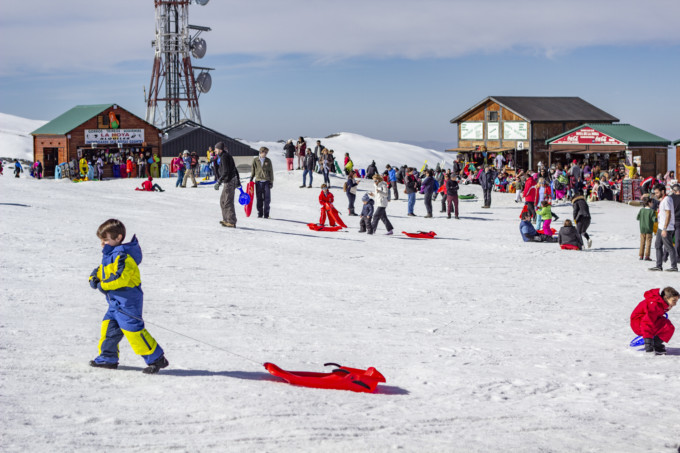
[(649, 345), (94, 280), (217, 186)]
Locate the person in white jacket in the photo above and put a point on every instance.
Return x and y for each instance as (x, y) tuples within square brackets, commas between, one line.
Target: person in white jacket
[(379, 194)]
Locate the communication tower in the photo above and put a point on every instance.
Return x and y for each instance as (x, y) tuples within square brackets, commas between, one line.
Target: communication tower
[(173, 81)]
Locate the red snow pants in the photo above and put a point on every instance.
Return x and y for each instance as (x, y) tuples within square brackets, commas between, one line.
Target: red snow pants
[(662, 328)]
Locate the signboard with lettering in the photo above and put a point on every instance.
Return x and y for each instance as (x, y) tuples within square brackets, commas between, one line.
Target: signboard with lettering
[(113, 136), (587, 136), (472, 130), (492, 131), (514, 130)]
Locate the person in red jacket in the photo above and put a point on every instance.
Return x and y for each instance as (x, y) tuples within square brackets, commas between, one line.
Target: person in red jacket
[(326, 201), (648, 320), (531, 194), (149, 186)]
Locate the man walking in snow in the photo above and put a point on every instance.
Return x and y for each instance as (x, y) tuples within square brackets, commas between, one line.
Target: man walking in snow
[(230, 178)]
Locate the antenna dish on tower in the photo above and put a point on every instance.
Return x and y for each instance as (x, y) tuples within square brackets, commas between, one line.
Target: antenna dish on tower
[(198, 48), (204, 82)]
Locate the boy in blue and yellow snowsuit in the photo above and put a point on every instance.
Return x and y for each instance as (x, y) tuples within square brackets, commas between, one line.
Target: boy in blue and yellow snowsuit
[(119, 279)]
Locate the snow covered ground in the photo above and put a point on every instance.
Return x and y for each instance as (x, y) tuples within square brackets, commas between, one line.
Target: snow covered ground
[(487, 343)]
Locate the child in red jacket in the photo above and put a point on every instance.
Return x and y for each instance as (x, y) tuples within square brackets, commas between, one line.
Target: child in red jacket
[(648, 321), (326, 200)]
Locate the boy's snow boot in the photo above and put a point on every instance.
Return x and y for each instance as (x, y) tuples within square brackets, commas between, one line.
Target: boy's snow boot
[(110, 366), (155, 367), (649, 345), (659, 347)]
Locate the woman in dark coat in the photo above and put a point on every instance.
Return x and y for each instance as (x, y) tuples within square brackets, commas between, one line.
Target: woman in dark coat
[(582, 217), (569, 237)]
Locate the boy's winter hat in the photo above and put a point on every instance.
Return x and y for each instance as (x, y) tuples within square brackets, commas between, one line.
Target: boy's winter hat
[(220, 145), (365, 197), (186, 151)]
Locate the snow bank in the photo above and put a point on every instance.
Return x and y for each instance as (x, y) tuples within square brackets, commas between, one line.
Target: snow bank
[(15, 139)]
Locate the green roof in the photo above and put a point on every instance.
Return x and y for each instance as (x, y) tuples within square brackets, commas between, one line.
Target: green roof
[(626, 133), (677, 142), (68, 121)]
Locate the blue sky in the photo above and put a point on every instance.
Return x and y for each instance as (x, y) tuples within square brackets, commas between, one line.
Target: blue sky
[(394, 70)]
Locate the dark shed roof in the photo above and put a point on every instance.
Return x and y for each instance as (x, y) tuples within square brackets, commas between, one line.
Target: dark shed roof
[(195, 137), (677, 142), (539, 108)]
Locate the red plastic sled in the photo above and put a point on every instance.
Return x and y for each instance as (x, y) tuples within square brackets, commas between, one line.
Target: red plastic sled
[(569, 247), (341, 378), (421, 234), (334, 216), (317, 227), (250, 190)]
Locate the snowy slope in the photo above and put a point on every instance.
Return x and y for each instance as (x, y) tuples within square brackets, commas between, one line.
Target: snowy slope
[(15, 139), (363, 150), (487, 343)]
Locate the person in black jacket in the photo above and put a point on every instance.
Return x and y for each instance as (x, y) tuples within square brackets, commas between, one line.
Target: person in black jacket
[(230, 178), (582, 217), (486, 180), (371, 170), (569, 235), (366, 220), (451, 193), (411, 188), (289, 149)]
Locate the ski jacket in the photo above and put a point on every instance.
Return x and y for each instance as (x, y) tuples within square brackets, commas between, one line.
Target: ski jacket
[(260, 171), (646, 217), (428, 185), (452, 188), (371, 170), (581, 209), (349, 184), (326, 198), (393, 175), (570, 236), (411, 184), (648, 312), (147, 186), (527, 230), (289, 148), (530, 190), (228, 169), (310, 161), (367, 210), (119, 276), (486, 179), (302, 148), (545, 212), (380, 193)]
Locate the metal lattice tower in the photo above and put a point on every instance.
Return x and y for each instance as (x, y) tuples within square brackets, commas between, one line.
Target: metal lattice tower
[(172, 77)]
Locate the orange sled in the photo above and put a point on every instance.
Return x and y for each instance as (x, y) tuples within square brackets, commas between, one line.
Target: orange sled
[(341, 378), (421, 234)]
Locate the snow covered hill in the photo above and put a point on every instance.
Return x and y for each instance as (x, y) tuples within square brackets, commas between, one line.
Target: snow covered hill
[(487, 343), (363, 150), (15, 139), (17, 143)]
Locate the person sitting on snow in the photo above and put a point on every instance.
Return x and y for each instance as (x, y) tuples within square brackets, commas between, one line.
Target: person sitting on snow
[(529, 233), (149, 186), (648, 320), (326, 200), (569, 238)]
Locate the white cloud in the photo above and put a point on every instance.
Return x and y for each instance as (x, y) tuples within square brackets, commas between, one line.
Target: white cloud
[(83, 34)]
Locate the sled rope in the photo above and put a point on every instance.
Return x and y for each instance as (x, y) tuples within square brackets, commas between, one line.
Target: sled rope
[(192, 338)]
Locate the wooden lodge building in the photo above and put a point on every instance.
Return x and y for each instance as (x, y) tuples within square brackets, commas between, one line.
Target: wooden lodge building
[(520, 125), (677, 159), (612, 144), (90, 130)]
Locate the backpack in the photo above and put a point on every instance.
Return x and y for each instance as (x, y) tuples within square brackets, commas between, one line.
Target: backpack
[(194, 160)]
